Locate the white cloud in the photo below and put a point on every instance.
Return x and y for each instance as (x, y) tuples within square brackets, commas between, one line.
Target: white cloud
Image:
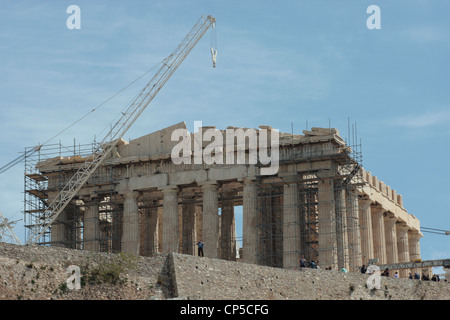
[(425, 34), (427, 119)]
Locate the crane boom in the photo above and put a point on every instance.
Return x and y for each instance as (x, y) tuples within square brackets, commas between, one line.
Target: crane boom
[(19, 159), (129, 116), (7, 232)]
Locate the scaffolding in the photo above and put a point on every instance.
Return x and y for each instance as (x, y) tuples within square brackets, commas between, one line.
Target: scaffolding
[(288, 206), (274, 211), (40, 187)]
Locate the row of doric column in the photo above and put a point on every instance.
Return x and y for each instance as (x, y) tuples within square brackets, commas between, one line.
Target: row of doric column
[(385, 237), (351, 231), (171, 223)]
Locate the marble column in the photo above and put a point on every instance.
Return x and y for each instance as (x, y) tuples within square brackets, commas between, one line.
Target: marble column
[(403, 247), (391, 238), (151, 230), (291, 226), (131, 230), (341, 229), (250, 222), (379, 243), (353, 231), (414, 246), (59, 230), (210, 220), (170, 226), (188, 226), (117, 225), (227, 231), (327, 225), (198, 225), (365, 219), (91, 230)]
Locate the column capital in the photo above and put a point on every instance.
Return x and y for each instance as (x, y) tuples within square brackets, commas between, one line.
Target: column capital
[(131, 194), (364, 204), (414, 234), (389, 216), (208, 184), (247, 181), (403, 227), (377, 209)]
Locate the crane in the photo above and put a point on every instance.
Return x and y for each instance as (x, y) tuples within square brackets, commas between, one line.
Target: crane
[(117, 131), (7, 233), (20, 158)]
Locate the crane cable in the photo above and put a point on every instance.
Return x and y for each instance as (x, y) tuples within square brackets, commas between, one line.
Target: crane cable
[(101, 104), (435, 231), (38, 147), (213, 43)]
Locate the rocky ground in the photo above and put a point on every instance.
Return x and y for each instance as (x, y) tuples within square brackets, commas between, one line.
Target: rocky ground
[(41, 273)]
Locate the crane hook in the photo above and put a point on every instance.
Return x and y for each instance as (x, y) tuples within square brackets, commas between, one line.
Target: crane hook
[(214, 56)]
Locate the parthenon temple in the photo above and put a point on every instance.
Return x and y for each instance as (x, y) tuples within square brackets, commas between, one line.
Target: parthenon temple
[(321, 203)]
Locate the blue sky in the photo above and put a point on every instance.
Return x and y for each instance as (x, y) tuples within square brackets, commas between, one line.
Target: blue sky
[(281, 63)]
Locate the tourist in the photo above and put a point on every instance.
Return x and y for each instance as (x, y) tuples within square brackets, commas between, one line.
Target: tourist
[(200, 248), (396, 275), (385, 273), (313, 265), (363, 269), (410, 276), (303, 262)]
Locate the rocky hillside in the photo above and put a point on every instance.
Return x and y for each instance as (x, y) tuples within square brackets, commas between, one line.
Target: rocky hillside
[(41, 273)]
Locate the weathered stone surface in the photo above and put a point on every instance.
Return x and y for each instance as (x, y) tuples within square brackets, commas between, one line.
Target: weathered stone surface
[(218, 279), (40, 273)]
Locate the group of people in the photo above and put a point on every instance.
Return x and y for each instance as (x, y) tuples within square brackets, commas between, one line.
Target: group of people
[(313, 265), (416, 275), (308, 264)]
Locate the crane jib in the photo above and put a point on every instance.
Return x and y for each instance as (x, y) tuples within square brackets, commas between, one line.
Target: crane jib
[(129, 116)]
